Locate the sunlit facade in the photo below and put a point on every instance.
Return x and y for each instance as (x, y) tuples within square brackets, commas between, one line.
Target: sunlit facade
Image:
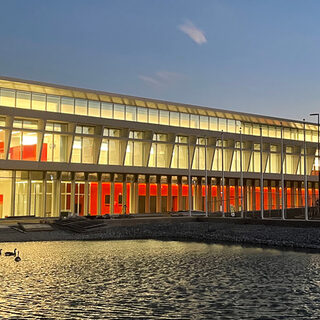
[(65, 149)]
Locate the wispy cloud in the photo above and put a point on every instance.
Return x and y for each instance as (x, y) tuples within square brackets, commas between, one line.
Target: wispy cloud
[(162, 78), (150, 80), (193, 32)]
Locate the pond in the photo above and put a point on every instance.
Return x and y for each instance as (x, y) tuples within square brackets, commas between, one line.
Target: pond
[(149, 279)]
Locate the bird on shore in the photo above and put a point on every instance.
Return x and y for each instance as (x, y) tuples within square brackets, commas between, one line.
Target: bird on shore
[(9, 253), (17, 258), (0, 251)]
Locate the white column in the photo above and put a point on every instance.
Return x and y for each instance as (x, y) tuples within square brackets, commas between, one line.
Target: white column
[(305, 172), (206, 176), (261, 175), (222, 165), (241, 175), (189, 178), (282, 177)]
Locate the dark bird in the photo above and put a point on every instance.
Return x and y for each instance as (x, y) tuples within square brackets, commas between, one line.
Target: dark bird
[(8, 253), (17, 258), (0, 251)]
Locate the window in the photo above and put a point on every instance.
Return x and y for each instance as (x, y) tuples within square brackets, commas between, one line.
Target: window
[(38, 101), (67, 105), (204, 123), (213, 124), (106, 110), (174, 119), (138, 135), (53, 104), (142, 114), (94, 108), (25, 124), (194, 121), (184, 120), (153, 116), (223, 125), (131, 113), (111, 132), (119, 111), (54, 126), (82, 150), (23, 99), (23, 145), (164, 117), (55, 148), (81, 107), (181, 139), (84, 130), (7, 97), (160, 137)]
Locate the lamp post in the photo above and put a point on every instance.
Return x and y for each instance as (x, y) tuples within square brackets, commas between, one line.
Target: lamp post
[(317, 114)]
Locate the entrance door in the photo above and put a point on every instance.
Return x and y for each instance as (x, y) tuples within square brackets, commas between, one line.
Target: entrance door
[(65, 196), (79, 199), (36, 204)]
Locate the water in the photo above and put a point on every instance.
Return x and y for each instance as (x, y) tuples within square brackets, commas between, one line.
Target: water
[(157, 280)]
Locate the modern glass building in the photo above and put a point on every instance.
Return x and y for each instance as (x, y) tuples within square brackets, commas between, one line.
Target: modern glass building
[(91, 152)]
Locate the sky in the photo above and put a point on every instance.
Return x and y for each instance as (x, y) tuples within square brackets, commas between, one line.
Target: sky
[(252, 56)]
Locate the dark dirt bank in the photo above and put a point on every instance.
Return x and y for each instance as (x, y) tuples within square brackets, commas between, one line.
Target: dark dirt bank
[(296, 235)]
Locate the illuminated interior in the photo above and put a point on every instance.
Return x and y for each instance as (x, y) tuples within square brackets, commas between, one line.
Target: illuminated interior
[(86, 152)]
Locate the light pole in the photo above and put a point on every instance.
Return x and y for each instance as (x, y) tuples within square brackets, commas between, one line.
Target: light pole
[(317, 114)]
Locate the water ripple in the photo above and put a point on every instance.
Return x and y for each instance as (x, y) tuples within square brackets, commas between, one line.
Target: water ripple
[(157, 280)]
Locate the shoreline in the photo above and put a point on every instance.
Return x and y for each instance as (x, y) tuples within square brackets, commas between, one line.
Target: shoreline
[(203, 230)]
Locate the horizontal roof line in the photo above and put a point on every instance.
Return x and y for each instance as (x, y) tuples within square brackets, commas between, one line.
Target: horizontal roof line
[(157, 101)]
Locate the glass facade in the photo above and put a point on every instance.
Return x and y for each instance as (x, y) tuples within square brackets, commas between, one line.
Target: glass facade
[(96, 108), (142, 163)]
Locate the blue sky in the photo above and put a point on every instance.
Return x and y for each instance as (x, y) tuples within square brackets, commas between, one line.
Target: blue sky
[(253, 56)]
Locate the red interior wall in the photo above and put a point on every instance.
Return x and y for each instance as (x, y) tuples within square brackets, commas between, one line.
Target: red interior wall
[(258, 198), (288, 197), (93, 198), (265, 198)]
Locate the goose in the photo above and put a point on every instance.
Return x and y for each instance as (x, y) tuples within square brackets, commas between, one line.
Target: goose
[(17, 258), (8, 253)]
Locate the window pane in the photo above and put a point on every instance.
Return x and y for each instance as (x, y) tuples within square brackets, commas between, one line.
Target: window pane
[(204, 123), (174, 119), (231, 125), (142, 114), (67, 105), (81, 107), (153, 116), (104, 152), (87, 150), (29, 148), (53, 104), (106, 110), (29, 124), (222, 124), (60, 148), (38, 101), (94, 108), (2, 144), (7, 98), (76, 150), (184, 120), (213, 124), (15, 152), (131, 113), (114, 146), (119, 112), (47, 148), (23, 100), (194, 121), (164, 117)]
